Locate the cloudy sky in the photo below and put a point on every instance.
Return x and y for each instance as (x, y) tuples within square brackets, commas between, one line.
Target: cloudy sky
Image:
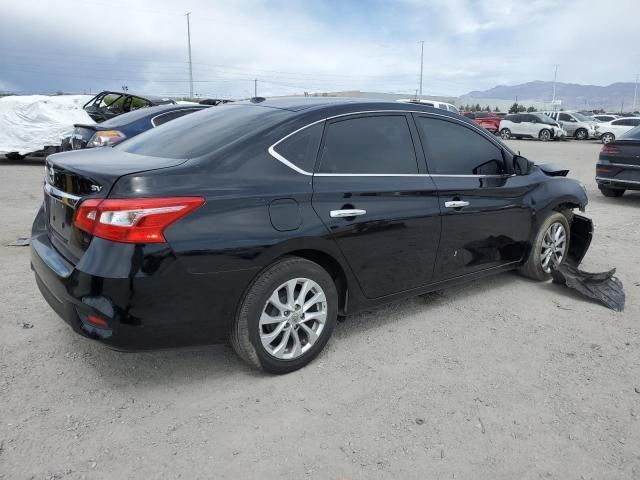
[(292, 46)]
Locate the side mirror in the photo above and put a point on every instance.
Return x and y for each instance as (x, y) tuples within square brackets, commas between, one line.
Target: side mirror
[(521, 166)]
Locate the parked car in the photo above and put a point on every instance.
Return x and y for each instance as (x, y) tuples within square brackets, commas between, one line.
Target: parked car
[(261, 222), (605, 117), (487, 120), (575, 124), (431, 103), (125, 126), (618, 167), (108, 104), (530, 125), (611, 130)]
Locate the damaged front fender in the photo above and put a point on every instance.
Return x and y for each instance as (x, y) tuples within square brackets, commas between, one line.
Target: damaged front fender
[(581, 235)]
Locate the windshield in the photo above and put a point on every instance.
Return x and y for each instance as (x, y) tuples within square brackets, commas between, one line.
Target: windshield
[(203, 132), (544, 119), (582, 118)]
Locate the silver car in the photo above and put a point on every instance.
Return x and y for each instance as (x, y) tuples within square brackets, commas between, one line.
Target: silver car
[(576, 124)]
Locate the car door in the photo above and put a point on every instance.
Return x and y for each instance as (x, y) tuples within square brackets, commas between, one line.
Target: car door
[(485, 221), (529, 125), (373, 195), (568, 123), (516, 125)]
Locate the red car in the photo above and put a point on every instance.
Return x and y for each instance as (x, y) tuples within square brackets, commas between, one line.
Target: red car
[(487, 120)]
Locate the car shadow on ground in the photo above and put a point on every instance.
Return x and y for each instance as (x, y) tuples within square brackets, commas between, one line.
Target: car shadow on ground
[(174, 367)]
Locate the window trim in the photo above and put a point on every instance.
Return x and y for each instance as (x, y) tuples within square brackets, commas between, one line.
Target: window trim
[(472, 126)]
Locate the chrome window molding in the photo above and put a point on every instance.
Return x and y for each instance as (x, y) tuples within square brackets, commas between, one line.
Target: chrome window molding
[(297, 169), (60, 195)]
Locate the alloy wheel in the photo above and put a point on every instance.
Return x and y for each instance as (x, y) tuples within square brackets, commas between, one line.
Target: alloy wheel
[(505, 134), (293, 318), (545, 135), (554, 247), (607, 138)]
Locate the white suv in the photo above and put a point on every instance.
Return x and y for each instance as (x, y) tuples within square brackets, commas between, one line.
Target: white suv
[(431, 103), (576, 124), (609, 131), (530, 125)]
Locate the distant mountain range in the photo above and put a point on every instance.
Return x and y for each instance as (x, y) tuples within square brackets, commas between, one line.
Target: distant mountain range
[(615, 97)]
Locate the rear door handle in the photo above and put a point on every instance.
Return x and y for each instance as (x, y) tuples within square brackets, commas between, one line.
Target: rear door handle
[(456, 204), (350, 212)]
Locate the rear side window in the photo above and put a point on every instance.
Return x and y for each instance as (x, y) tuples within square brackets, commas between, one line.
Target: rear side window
[(301, 148), (457, 150), (369, 145), (196, 135)]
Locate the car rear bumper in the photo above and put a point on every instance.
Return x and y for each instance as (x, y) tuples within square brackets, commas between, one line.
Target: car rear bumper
[(154, 304), (618, 175), (618, 183)]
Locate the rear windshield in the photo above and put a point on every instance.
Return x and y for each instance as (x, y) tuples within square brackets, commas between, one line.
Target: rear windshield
[(203, 132), (633, 134)]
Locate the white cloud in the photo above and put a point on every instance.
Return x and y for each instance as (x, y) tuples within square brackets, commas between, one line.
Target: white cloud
[(294, 46)]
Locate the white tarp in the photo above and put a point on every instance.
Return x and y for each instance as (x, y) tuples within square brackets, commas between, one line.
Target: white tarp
[(29, 122)]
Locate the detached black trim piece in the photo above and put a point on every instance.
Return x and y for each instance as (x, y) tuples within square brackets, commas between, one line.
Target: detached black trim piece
[(581, 235), (602, 287)]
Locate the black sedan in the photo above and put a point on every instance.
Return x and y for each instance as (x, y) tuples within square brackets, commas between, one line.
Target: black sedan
[(125, 126), (618, 168), (261, 222)]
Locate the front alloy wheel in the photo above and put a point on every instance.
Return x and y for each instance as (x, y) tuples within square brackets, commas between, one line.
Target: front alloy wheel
[(582, 134), (293, 318), (554, 247), (545, 135)]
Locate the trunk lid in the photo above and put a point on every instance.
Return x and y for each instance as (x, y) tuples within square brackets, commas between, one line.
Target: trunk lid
[(72, 177)]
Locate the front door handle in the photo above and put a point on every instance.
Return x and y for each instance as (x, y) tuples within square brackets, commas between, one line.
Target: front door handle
[(350, 212), (456, 204)]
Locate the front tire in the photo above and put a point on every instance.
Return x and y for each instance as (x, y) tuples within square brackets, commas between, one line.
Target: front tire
[(286, 316), (611, 192), (505, 133), (544, 135), (581, 134), (549, 249)]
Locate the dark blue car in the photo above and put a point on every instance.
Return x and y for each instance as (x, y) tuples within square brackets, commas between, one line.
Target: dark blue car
[(125, 126)]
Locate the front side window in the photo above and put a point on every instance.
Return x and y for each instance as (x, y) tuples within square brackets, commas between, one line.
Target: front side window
[(566, 118), (301, 148), (457, 150), (369, 145)]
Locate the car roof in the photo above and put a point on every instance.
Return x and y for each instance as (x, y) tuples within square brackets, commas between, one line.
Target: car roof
[(148, 112), (300, 104)]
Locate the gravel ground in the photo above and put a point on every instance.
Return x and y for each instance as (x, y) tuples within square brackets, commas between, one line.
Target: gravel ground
[(500, 378)]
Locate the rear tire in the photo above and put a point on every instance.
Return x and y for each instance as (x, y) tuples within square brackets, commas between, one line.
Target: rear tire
[(608, 138), (611, 192), (543, 247), (505, 133), (286, 317)]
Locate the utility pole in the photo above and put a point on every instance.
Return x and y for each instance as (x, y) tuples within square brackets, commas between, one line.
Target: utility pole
[(421, 42), (255, 87), (555, 77), (190, 64), (635, 92)]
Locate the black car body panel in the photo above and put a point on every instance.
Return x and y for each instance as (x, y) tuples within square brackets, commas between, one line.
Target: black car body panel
[(260, 206), (618, 166)]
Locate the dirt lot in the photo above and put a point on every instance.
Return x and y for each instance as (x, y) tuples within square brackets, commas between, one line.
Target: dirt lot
[(501, 378)]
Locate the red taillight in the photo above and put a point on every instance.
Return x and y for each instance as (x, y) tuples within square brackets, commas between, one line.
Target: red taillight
[(610, 149), (133, 220), (97, 321)]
